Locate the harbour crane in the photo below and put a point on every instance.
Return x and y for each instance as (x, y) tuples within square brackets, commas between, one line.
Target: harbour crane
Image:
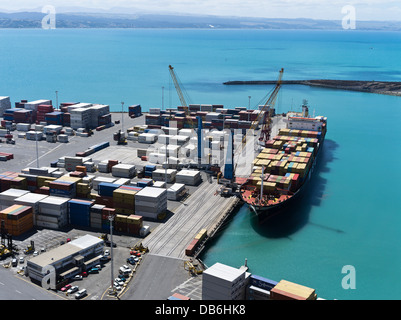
[(187, 113), (266, 128), (265, 113), (181, 95)]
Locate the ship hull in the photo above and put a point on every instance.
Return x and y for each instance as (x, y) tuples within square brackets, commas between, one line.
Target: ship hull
[(265, 213)]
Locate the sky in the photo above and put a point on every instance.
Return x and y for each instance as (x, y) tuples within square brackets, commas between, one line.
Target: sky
[(380, 10)]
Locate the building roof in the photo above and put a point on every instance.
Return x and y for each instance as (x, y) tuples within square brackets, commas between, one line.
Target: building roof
[(68, 249)]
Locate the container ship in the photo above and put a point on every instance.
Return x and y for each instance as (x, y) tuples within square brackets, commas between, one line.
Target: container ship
[(284, 165)]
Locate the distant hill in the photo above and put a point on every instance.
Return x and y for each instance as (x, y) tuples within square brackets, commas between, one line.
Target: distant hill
[(117, 20)]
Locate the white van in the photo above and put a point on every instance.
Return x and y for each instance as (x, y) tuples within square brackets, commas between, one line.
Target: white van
[(81, 293)]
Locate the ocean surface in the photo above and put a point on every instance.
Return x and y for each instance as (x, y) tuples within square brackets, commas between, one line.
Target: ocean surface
[(351, 214)]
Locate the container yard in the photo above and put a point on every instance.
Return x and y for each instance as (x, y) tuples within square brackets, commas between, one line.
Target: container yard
[(70, 177)]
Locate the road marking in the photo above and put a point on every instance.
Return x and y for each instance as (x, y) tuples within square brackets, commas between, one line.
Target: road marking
[(19, 291), (45, 154)]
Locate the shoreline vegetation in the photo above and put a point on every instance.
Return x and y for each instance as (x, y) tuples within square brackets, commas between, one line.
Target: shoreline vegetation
[(382, 87)]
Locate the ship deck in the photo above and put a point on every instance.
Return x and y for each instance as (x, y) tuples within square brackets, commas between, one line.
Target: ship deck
[(251, 195)]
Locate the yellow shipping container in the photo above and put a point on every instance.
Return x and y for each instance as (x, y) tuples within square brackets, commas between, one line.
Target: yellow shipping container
[(83, 187), (263, 162), (267, 186), (284, 131), (296, 289), (257, 170), (43, 181), (120, 218), (201, 234), (124, 211), (277, 157), (71, 179)]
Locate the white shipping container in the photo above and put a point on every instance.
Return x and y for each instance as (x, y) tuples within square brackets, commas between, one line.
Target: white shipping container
[(188, 177), (23, 127), (8, 197), (34, 135), (123, 170), (98, 180), (62, 138), (4, 104), (187, 132), (147, 138), (159, 184), (163, 174), (175, 190), (47, 225)]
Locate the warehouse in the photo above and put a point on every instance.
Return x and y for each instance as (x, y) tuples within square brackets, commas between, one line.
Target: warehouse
[(68, 259)]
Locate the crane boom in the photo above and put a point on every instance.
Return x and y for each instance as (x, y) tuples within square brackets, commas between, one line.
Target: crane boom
[(177, 86), (180, 95), (264, 112)]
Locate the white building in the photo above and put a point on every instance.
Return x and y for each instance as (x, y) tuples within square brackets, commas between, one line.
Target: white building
[(65, 261)]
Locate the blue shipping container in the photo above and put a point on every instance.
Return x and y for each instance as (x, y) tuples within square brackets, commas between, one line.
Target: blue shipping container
[(262, 283), (150, 167), (106, 189)]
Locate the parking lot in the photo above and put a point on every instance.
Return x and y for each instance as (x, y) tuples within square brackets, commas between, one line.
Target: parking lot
[(96, 284)]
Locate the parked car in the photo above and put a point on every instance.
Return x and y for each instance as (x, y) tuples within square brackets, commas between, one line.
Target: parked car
[(124, 270), (14, 262), (131, 260), (78, 277), (21, 260), (93, 270), (81, 293), (119, 281), (35, 253), (72, 289), (135, 253), (66, 287), (117, 286)]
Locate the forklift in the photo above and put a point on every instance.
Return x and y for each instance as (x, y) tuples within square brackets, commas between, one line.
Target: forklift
[(8, 249), (120, 137), (30, 248)]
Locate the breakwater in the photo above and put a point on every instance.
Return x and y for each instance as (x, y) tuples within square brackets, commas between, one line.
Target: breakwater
[(382, 87)]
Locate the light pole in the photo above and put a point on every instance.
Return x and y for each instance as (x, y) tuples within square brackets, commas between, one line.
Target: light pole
[(56, 99), (122, 117), (162, 98), (111, 219)]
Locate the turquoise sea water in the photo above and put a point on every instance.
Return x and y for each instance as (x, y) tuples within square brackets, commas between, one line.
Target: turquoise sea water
[(351, 214)]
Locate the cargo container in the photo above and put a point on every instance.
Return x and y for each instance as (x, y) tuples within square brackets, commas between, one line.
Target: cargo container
[(107, 189), (286, 290), (18, 219), (79, 212), (124, 170), (151, 202), (188, 177)]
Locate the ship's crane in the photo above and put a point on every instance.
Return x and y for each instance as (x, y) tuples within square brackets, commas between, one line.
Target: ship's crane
[(265, 113)]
